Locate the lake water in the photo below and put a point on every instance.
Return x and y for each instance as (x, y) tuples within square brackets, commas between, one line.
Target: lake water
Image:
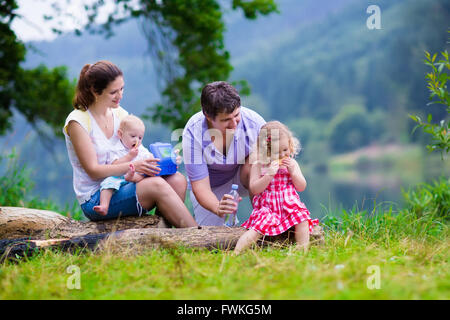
[(333, 191)]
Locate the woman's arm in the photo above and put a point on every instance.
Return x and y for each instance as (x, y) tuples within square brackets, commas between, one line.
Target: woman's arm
[(88, 157), (259, 183)]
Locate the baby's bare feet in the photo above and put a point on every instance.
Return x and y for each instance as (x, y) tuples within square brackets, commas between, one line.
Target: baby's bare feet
[(130, 173), (103, 210)]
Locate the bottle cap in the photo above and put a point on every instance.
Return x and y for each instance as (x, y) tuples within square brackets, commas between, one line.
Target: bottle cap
[(234, 187)]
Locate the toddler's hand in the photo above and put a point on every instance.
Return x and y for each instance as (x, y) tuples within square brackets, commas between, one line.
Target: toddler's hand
[(289, 163), (273, 168)]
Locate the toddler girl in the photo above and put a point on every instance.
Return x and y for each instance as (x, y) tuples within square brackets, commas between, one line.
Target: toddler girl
[(275, 178)]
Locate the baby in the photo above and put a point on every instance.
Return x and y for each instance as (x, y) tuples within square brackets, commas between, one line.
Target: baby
[(130, 132)]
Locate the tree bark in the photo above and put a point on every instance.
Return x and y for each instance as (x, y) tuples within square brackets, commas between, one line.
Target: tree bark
[(16, 222)]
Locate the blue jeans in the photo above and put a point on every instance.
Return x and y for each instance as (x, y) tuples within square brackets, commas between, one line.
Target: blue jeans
[(124, 203)]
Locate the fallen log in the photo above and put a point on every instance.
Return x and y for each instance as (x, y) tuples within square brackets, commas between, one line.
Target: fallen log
[(48, 229), (211, 237), (17, 222), (200, 237)]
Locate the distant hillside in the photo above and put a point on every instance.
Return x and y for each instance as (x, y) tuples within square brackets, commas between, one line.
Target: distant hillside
[(315, 69)]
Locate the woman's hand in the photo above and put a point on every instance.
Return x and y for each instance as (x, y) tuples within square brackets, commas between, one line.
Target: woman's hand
[(147, 166), (227, 205)]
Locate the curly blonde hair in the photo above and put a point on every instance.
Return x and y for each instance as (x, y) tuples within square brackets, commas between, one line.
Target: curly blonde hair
[(269, 135)]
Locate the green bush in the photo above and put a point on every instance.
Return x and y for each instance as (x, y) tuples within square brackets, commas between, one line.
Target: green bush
[(425, 215), (16, 185), (439, 94), (429, 199), (350, 129)]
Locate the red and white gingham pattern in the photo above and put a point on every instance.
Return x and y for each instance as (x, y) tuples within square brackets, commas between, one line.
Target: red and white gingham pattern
[(278, 208)]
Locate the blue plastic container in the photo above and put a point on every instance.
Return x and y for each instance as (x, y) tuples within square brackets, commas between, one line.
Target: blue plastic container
[(164, 152)]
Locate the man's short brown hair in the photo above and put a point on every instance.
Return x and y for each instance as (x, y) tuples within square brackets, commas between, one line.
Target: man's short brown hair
[(219, 97)]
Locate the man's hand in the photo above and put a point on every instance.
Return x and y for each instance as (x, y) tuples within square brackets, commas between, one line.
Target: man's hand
[(227, 205)]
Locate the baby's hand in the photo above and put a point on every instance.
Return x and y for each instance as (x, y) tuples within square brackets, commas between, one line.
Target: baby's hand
[(133, 152), (178, 158)]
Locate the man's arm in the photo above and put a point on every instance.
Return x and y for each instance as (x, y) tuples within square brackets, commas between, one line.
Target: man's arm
[(204, 195), (208, 200)]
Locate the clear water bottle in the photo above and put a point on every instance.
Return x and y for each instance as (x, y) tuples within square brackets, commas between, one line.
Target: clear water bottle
[(231, 220)]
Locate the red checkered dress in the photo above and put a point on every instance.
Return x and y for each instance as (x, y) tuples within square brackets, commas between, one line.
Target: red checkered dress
[(278, 207)]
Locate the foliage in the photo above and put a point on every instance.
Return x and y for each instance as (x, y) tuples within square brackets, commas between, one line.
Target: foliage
[(385, 225), (317, 68), (425, 215), (12, 52), (186, 38), (439, 94), (43, 94), (16, 185), (39, 94), (350, 129), (429, 199)]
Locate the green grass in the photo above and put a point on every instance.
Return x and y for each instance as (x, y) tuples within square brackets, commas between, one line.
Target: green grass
[(412, 257), (409, 246)]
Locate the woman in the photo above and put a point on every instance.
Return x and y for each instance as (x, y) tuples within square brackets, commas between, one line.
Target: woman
[(91, 134)]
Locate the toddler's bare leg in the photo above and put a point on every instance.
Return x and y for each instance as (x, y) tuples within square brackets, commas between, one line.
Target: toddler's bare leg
[(105, 198), (246, 240), (302, 236)]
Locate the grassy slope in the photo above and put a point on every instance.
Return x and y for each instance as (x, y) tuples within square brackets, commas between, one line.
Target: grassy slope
[(412, 255)]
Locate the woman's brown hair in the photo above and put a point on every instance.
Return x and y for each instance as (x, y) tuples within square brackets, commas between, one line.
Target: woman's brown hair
[(94, 78)]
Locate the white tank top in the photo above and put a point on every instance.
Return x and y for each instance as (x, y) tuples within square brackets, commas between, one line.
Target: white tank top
[(83, 185)]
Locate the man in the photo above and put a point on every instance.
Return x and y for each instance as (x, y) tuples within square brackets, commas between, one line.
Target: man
[(216, 145)]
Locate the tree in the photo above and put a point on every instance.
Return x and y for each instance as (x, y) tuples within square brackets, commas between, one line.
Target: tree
[(350, 129), (185, 37), (12, 52), (40, 93), (439, 94)]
